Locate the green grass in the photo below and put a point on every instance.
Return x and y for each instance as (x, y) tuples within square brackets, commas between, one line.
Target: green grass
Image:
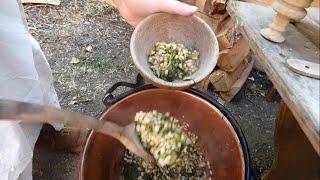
[(110, 9), (100, 63), (59, 79)]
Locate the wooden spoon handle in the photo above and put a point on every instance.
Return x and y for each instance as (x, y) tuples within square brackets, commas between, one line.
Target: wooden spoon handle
[(27, 112), (15, 110)]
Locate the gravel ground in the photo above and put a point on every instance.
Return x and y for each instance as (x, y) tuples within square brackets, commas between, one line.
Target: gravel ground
[(87, 46)]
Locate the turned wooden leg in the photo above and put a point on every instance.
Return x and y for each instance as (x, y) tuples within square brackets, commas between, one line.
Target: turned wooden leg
[(287, 10), (295, 158)]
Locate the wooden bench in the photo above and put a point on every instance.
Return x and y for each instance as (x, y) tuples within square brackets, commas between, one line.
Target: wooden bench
[(297, 148)]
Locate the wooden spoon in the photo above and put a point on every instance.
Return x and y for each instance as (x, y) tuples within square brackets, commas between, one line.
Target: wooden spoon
[(32, 113)]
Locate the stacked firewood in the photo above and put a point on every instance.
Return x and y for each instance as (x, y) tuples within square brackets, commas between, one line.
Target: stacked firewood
[(234, 63)]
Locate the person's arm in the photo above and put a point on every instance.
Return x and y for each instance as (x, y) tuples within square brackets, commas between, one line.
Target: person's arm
[(134, 11)]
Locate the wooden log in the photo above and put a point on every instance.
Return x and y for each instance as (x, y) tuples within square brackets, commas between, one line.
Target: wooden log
[(204, 6), (219, 19), (218, 6), (227, 79), (230, 59), (201, 4), (228, 96), (204, 12), (209, 20), (203, 85), (227, 34)]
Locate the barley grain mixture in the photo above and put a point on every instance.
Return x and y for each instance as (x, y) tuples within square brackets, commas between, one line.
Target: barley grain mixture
[(176, 153), (171, 61)]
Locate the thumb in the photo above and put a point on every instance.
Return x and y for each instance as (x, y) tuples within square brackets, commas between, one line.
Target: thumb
[(176, 7)]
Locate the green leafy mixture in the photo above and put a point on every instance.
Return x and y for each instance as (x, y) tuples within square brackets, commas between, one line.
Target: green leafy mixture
[(171, 61), (175, 152)]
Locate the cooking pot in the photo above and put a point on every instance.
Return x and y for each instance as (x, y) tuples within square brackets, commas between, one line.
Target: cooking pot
[(219, 135)]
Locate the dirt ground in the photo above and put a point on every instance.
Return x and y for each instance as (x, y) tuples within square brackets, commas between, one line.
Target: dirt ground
[(87, 46)]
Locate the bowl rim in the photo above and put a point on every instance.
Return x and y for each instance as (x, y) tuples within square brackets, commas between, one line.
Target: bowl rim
[(180, 84)]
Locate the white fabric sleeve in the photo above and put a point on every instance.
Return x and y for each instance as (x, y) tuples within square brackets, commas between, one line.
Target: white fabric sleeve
[(25, 75)]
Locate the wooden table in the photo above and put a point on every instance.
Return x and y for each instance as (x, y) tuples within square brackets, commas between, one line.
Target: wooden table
[(297, 149)]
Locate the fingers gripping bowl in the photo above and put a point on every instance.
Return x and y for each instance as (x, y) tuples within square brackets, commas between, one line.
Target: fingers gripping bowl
[(191, 31)]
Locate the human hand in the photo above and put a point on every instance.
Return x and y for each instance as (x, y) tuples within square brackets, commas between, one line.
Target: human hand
[(134, 11)]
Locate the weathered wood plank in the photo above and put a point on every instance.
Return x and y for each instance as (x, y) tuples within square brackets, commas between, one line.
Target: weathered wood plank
[(310, 25), (300, 93), (261, 2), (314, 3)]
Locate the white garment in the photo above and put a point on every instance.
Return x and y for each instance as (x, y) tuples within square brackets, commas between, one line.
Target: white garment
[(25, 76)]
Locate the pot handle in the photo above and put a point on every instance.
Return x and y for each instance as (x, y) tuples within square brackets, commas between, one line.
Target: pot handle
[(109, 99)]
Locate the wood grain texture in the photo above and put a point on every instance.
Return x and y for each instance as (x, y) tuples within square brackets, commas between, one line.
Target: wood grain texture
[(227, 34), (304, 68), (235, 88), (230, 59), (260, 2), (301, 94), (210, 21), (315, 3), (203, 85), (227, 79), (295, 157), (310, 25)]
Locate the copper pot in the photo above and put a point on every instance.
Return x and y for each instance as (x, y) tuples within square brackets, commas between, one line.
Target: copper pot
[(220, 137)]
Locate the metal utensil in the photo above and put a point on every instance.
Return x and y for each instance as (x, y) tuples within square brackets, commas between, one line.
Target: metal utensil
[(32, 113)]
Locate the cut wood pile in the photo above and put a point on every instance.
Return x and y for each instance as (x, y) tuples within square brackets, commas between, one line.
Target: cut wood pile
[(235, 62)]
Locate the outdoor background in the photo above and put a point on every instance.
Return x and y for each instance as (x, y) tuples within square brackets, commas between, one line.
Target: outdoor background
[(87, 46)]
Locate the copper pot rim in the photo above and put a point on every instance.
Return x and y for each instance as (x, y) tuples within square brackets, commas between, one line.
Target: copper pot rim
[(246, 162)]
